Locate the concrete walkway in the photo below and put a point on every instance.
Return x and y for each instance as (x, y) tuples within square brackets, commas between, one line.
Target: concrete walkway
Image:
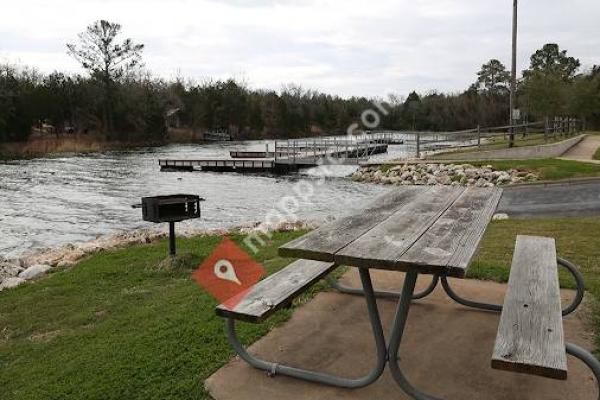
[(584, 150), (446, 351)]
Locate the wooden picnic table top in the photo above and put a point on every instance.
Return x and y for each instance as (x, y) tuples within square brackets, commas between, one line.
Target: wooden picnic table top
[(435, 229)]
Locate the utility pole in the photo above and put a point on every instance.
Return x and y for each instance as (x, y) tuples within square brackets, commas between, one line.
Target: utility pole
[(513, 78)]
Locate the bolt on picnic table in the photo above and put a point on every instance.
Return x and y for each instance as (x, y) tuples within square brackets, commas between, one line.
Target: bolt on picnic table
[(424, 230)]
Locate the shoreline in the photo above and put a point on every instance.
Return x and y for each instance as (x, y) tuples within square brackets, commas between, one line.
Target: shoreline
[(72, 144), (35, 264), (78, 143)]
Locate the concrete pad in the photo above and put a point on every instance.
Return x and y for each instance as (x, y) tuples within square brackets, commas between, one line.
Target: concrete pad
[(446, 350)]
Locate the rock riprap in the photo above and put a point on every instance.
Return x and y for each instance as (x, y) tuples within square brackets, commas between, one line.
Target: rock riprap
[(14, 272), (442, 174)]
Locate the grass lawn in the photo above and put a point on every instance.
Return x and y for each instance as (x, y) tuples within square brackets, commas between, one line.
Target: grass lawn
[(499, 142), (547, 169), (596, 155), (116, 327), (576, 240)]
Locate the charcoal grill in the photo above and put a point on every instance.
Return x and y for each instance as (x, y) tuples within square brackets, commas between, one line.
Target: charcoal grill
[(171, 209)]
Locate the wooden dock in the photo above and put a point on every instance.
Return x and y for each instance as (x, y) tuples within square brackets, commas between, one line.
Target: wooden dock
[(218, 164), (288, 155), (258, 154)]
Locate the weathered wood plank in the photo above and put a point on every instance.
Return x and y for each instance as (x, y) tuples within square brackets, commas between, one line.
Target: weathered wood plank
[(452, 240), (276, 291), (530, 336), (324, 242), (384, 245)]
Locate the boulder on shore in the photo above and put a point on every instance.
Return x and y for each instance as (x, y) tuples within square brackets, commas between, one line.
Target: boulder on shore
[(9, 268), (442, 174), (10, 283), (35, 265), (500, 217), (34, 271)]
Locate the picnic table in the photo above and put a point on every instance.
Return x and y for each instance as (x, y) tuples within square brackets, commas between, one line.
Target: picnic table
[(434, 231)]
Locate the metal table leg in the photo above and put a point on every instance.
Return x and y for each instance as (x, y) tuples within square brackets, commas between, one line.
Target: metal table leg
[(383, 294), (497, 307), (578, 280), (589, 360), (396, 338), (312, 376), (469, 303)]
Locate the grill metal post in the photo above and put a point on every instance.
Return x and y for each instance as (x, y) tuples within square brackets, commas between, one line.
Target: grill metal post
[(172, 245)]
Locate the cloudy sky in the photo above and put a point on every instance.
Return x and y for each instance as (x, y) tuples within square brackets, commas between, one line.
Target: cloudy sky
[(346, 47)]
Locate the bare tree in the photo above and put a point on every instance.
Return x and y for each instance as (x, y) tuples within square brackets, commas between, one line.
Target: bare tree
[(106, 59)]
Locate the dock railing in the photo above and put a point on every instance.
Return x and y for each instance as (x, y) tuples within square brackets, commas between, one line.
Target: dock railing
[(350, 150)]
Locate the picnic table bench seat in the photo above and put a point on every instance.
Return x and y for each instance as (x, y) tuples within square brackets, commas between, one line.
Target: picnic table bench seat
[(276, 291), (530, 335)]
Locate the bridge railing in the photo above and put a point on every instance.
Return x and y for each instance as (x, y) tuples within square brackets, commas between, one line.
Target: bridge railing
[(361, 147), (539, 131)]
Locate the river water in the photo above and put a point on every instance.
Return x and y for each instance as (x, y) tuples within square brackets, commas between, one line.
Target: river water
[(47, 202)]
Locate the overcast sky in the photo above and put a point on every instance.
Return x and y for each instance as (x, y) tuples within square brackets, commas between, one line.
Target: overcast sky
[(345, 47)]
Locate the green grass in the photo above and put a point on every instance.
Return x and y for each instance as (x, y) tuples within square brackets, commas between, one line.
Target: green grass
[(576, 240), (116, 327), (499, 142), (596, 155), (547, 169)]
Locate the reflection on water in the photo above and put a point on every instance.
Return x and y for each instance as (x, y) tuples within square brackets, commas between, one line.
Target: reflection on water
[(52, 201)]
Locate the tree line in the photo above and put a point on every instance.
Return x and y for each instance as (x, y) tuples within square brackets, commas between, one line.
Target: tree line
[(117, 98)]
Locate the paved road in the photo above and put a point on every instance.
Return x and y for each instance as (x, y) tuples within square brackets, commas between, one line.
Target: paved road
[(564, 199)]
